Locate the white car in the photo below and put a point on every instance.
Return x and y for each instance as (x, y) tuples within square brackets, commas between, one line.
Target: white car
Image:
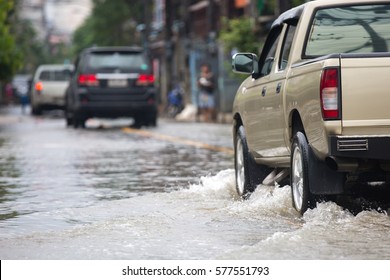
[(48, 87)]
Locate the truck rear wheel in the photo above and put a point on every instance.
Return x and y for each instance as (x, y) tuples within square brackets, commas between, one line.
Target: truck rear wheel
[(302, 198), (248, 173)]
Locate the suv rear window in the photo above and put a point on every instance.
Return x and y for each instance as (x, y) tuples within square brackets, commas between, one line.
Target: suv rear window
[(54, 75), (349, 29), (121, 60)]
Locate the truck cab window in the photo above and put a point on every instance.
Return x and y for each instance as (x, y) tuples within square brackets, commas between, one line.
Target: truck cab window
[(286, 47), (349, 29), (268, 55)]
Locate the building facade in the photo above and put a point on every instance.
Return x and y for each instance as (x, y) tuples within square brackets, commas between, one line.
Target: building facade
[(55, 20), (184, 34)]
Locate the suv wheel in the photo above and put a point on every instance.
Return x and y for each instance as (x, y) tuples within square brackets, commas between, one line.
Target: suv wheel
[(69, 121), (152, 122), (249, 174), (79, 122), (68, 117), (302, 198)]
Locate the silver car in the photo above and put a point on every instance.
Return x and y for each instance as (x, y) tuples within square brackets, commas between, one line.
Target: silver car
[(48, 87)]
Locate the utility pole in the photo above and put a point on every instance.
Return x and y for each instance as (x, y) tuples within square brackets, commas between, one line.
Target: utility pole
[(166, 83), (146, 14), (212, 34), (185, 18), (212, 47)]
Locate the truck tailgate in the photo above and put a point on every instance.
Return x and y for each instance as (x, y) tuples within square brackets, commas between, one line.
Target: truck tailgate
[(365, 84), (54, 88)]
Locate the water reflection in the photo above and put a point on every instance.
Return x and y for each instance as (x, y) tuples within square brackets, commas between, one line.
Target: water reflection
[(104, 194), (8, 176), (56, 168), (160, 167)]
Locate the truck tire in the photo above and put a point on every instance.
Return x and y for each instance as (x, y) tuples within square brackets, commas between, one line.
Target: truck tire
[(248, 173), (302, 198)]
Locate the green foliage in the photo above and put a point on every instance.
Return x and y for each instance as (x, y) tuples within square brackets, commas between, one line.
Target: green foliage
[(10, 58), (19, 49), (238, 34), (295, 3), (84, 36), (111, 23), (269, 7), (32, 50)]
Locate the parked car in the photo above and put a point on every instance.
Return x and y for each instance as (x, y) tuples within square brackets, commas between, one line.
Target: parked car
[(316, 103), (21, 84), (48, 87), (111, 82)]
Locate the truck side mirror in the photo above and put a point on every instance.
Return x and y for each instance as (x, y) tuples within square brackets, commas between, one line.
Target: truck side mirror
[(245, 63)]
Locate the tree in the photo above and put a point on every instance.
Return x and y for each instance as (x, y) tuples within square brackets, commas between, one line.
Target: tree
[(84, 36), (297, 2), (32, 50), (238, 34), (111, 23), (10, 57)]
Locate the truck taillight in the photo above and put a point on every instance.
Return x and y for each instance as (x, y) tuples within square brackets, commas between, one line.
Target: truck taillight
[(38, 86), (330, 94), (145, 80), (88, 80)]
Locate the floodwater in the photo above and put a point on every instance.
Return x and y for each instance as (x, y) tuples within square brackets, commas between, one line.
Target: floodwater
[(107, 194)]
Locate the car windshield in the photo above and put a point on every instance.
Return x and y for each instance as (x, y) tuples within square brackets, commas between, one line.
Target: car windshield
[(349, 29), (54, 75), (121, 60)]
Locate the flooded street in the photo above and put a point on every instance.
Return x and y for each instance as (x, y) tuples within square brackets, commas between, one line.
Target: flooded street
[(106, 192)]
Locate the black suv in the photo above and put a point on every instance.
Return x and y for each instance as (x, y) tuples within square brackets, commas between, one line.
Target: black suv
[(111, 82)]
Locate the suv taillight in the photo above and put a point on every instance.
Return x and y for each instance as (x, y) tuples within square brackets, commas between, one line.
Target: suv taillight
[(330, 94), (88, 80), (145, 80)]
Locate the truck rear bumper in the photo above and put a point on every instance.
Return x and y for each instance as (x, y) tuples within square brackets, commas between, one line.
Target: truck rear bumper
[(360, 147)]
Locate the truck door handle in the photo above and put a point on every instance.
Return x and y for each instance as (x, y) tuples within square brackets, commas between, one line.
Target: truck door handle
[(263, 91), (279, 87)]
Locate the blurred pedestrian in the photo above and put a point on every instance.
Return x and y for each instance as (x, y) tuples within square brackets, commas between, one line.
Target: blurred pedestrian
[(206, 102), (24, 100), (9, 93), (175, 101)]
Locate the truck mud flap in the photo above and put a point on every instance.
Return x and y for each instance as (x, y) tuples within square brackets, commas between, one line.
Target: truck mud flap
[(322, 179)]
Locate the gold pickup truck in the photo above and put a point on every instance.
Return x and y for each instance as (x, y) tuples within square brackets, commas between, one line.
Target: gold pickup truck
[(316, 106)]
